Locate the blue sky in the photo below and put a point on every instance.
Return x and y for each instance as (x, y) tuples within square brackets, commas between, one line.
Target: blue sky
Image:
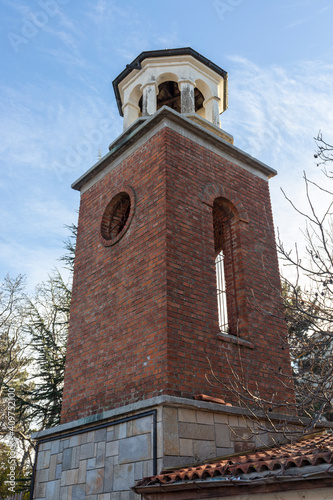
[(58, 60)]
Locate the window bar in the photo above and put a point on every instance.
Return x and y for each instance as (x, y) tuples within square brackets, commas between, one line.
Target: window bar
[(221, 292)]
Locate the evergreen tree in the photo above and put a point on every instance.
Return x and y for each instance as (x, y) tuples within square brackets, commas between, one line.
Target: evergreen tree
[(47, 328)]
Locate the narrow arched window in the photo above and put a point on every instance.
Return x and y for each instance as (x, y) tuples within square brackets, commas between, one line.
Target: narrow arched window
[(224, 219), (221, 293)]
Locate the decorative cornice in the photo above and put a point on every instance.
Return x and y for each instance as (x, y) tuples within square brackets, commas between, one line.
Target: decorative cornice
[(167, 117)]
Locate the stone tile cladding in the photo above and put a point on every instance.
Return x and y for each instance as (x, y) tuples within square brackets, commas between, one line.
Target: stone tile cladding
[(105, 464), (97, 465), (144, 313)]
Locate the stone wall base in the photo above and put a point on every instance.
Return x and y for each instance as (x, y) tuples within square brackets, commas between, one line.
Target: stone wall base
[(102, 457)]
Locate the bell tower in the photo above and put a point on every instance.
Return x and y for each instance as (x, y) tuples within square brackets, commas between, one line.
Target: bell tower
[(172, 194), (176, 295)]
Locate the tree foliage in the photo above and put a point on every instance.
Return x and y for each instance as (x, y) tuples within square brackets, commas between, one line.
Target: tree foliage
[(21, 475), (14, 374), (13, 360), (33, 336), (309, 297), (47, 318), (70, 246)]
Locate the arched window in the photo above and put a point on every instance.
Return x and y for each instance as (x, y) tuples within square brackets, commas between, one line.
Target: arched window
[(169, 95), (225, 220)]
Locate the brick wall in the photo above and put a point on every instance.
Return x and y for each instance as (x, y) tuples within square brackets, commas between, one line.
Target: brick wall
[(144, 311)]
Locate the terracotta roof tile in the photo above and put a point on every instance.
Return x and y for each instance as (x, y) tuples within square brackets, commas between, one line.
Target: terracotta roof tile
[(314, 450)]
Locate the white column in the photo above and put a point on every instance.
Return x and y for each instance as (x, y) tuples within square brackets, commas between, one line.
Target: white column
[(187, 96), (149, 100), (211, 106), (131, 113)]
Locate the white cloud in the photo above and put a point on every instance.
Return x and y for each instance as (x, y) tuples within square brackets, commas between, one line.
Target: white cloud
[(39, 132), (298, 22), (49, 138), (274, 114)]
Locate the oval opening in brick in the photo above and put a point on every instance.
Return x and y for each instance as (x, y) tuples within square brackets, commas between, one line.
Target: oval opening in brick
[(115, 218)]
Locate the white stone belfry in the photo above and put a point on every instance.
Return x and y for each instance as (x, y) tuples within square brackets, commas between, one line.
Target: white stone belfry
[(179, 78)]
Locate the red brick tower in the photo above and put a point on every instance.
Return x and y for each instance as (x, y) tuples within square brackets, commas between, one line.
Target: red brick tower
[(173, 212)]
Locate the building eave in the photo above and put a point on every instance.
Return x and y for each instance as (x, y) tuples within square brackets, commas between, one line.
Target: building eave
[(305, 478)]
